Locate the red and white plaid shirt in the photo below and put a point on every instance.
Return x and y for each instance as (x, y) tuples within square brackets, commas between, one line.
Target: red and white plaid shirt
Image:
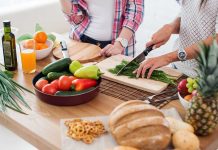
[(128, 13)]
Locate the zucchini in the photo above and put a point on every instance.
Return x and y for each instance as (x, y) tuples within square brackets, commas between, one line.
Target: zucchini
[(55, 75), (57, 66), (72, 93)]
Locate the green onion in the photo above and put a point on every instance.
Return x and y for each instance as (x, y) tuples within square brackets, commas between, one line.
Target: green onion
[(157, 75), (10, 96)]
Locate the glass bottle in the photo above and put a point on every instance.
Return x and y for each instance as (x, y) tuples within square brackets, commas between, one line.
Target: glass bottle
[(9, 47)]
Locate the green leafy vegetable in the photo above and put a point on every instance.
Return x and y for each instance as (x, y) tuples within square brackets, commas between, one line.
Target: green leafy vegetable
[(157, 75), (24, 37), (38, 28), (51, 37), (10, 96)]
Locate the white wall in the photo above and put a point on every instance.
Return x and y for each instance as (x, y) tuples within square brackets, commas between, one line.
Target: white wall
[(45, 12)]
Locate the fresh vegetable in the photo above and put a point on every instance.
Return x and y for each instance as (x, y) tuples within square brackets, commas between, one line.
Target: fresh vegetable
[(64, 83), (74, 66), (49, 89), (72, 78), (55, 75), (9, 73), (156, 75), (10, 96), (40, 84), (24, 37), (182, 89), (57, 66), (88, 72), (82, 84), (55, 84), (71, 93)]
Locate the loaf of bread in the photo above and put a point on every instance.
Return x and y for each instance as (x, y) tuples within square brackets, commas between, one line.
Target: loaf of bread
[(176, 125), (185, 140), (123, 148), (139, 125)]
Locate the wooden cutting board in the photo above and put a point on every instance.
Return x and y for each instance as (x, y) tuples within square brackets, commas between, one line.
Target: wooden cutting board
[(143, 84), (83, 52)]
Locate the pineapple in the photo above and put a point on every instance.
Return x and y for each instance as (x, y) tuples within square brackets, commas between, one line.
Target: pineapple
[(202, 113)]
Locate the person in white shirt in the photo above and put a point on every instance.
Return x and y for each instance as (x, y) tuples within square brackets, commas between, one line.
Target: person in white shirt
[(197, 22)]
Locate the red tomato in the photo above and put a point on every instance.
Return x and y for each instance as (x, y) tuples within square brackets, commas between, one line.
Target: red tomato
[(64, 83), (49, 89), (41, 83), (55, 84), (72, 78)]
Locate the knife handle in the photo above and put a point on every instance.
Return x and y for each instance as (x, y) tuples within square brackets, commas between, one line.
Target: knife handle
[(64, 49), (148, 50)]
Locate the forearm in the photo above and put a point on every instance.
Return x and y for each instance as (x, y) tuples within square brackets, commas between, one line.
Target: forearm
[(66, 6), (175, 26), (126, 33), (192, 51)]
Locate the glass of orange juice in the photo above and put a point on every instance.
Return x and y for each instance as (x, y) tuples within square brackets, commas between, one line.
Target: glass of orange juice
[(28, 56)]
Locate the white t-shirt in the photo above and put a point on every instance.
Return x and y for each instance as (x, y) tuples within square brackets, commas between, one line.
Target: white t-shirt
[(196, 24), (102, 15)]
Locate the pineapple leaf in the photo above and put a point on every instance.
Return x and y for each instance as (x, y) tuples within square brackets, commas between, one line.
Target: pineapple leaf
[(212, 58)]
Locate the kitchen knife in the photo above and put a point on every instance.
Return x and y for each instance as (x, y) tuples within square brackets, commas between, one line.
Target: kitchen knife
[(138, 59), (64, 49)]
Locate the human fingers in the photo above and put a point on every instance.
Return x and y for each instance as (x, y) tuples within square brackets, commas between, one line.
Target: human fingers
[(145, 67), (159, 44), (151, 70), (139, 70), (104, 50)]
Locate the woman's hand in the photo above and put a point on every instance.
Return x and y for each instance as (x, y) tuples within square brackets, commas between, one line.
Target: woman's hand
[(161, 36), (152, 64), (112, 49)]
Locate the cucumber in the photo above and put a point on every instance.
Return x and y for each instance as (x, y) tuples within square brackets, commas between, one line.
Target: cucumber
[(72, 93), (57, 66), (55, 75)]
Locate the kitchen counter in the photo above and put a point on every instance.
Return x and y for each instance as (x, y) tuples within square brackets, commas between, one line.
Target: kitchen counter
[(42, 126)]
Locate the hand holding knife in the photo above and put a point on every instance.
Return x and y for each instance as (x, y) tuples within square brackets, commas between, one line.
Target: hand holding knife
[(139, 58)]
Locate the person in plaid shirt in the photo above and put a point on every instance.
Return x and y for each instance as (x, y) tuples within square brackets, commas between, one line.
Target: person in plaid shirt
[(110, 24)]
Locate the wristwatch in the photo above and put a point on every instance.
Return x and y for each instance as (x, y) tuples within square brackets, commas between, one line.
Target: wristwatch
[(123, 41), (182, 54)]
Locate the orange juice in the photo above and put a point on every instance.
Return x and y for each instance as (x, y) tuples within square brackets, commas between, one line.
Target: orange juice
[(28, 59)]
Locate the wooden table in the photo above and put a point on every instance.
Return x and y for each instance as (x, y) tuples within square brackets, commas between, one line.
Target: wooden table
[(41, 127)]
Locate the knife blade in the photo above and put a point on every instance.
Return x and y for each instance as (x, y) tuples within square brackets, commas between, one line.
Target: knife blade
[(138, 58), (64, 49)]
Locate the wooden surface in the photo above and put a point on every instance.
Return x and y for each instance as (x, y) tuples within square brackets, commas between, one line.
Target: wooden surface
[(42, 126), (83, 52), (143, 84)]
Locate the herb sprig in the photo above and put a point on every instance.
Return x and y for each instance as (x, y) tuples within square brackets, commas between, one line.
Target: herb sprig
[(157, 75)]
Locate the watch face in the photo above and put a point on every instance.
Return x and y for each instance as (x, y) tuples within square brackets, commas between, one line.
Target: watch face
[(182, 55), (124, 42)]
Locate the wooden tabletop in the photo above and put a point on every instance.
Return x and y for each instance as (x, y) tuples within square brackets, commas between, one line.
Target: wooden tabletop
[(41, 127)]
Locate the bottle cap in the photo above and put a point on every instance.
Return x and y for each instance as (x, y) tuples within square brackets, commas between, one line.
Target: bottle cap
[(7, 23)]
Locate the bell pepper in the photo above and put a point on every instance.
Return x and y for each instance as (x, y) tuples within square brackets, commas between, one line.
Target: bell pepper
[(82, 84), (88, 72), (74, 66)]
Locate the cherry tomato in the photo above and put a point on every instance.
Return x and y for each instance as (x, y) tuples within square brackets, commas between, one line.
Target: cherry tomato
[(64, 83), (72, 78), (41, 83), (49, 89), (55, 83)]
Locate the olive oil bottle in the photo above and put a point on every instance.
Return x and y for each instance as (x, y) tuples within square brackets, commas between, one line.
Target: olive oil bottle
[(9, 47)]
